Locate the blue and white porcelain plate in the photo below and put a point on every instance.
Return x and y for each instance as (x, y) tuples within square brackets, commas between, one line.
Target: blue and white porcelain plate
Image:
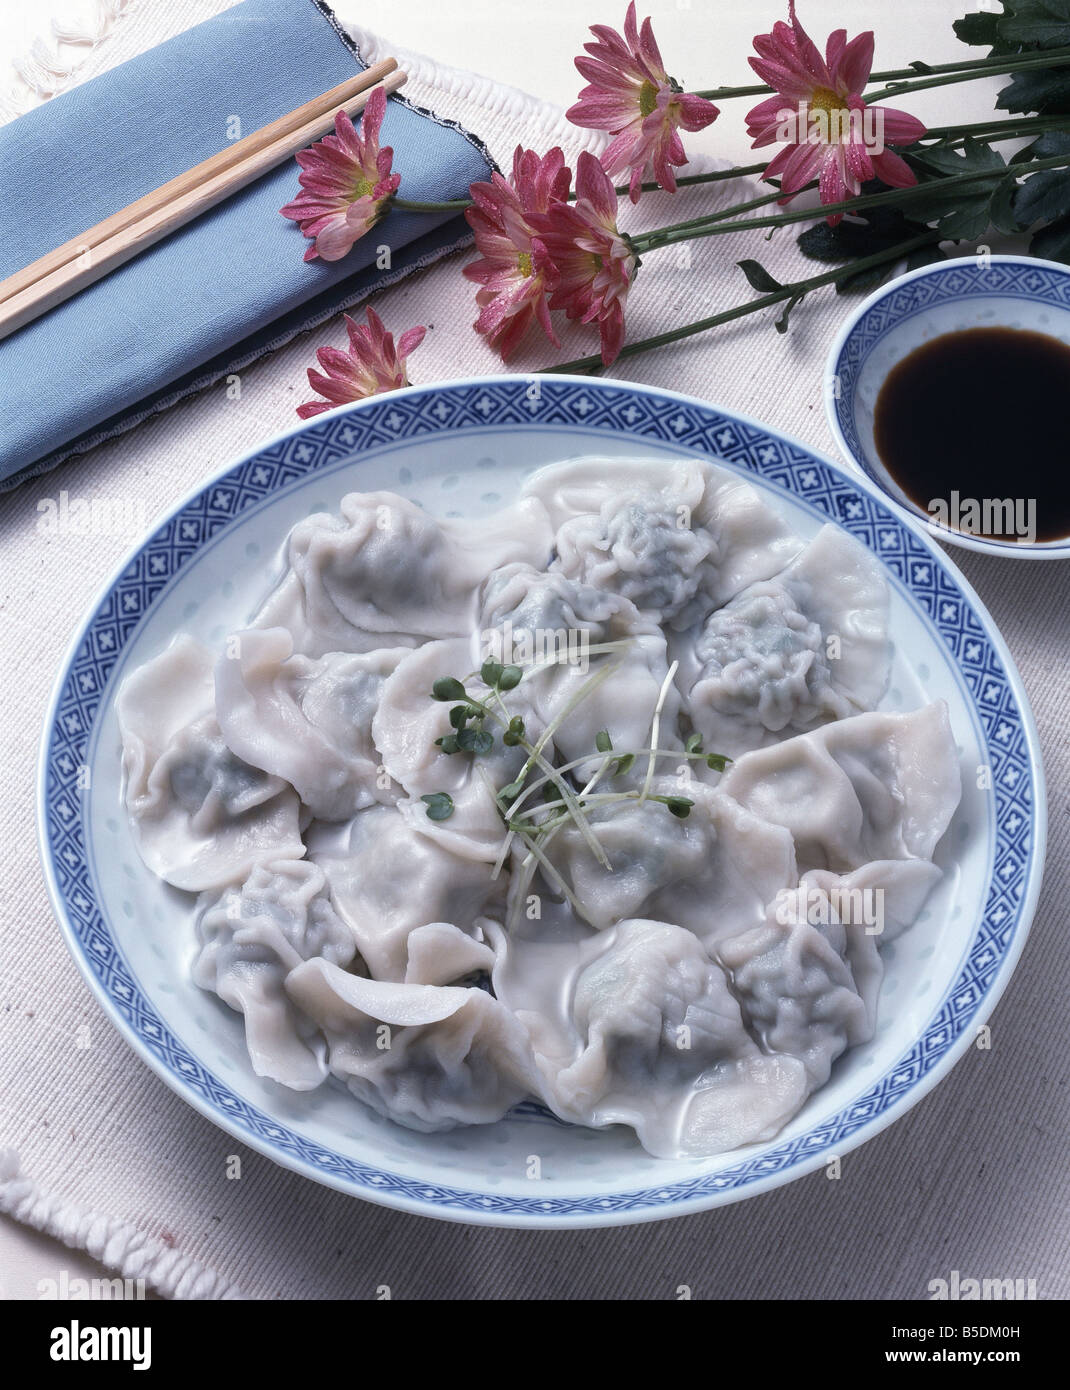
[(461, 449)]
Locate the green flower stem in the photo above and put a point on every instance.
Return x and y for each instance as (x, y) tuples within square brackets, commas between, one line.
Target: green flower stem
[(451, 205), (716, 225), (1005, 67), (988, 132), (781, 296), (979, 67), (717, 176)]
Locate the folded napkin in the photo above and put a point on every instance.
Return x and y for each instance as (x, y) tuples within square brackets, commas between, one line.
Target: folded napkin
[(230, 285)]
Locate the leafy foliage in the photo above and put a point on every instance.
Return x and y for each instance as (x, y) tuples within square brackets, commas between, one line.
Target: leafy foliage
[(879, 229)]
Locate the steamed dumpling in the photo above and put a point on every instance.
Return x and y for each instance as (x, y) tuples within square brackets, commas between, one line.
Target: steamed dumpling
[(654, 1039), (430, 1057), (251, 937), (387, 574), (807, 646), (306, 721), (386, 879), (203, 816), (876, 786)]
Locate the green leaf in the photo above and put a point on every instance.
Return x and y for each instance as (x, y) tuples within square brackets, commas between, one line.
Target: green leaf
[(511, 790), (1053, 241), (1043, 90), (439, 805), (475, 740), (1002, 213), (1044, 197), (1045, 23), (693, 744), (852, 239), (460, 715), (603, 742), (963, 212), (758, 277), (1047, 146), (717, 761), (448, 743), (447, 688), (510, 678), (679, 806), (978, 29), (623, 764), (490, 673)]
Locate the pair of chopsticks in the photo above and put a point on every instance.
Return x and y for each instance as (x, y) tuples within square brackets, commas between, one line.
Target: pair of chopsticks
[(69, 268)]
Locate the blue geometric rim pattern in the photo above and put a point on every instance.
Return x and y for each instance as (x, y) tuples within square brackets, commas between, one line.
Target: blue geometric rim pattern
[(1006, 279), (591, 405)]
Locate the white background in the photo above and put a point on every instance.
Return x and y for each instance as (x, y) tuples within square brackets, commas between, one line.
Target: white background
[(530, 45)]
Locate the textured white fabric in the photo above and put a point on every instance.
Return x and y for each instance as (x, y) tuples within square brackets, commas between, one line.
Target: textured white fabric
[(974, 1178)]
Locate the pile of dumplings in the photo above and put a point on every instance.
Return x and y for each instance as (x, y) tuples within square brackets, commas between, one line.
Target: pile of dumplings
[(673, 981)]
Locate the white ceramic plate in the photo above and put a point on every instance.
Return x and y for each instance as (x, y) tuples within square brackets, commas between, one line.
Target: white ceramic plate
[(462, 448)]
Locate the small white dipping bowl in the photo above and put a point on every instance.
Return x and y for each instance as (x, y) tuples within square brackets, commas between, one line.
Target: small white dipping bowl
[(980, 291)]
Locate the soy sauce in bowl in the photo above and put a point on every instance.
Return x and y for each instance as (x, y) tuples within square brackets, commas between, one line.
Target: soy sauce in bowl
[(974, 426)]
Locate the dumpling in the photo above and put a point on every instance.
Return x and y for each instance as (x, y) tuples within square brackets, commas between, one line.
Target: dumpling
[(203, 817), (713, 872), (386, 879), (805, 647), (306, 721), (875, 786), (387, 574), (528, 615), (641, 545), (797, 993), (655, 1040), (678, 537), (429, 1057), (251, 937), (405, 728)]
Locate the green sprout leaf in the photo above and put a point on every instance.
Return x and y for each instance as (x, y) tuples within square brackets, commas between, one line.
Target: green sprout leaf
[(623, 764), (603, 742), (693, 744), (679, 806), (439, 805), (447, 688), (510, 678), (448, 743), (490, 673), (717, 762), (475, 740)]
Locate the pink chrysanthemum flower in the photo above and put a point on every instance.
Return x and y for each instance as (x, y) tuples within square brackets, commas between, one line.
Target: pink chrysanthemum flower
[(514, 272), (345, 183), (371, 365), (595, 264), (634, 98), (831, 134)]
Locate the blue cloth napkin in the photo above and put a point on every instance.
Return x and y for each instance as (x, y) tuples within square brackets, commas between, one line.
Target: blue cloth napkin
[(231, 284)]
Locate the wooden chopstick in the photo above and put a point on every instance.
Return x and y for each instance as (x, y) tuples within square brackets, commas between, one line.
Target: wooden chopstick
[(79, 262)]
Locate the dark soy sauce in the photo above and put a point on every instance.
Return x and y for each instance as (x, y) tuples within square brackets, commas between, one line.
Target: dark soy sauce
[(982, 414)]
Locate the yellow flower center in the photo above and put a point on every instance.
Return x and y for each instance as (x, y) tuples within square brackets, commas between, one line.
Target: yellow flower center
[(648, 98), (826, 100), (524, 262), (362, 188)]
